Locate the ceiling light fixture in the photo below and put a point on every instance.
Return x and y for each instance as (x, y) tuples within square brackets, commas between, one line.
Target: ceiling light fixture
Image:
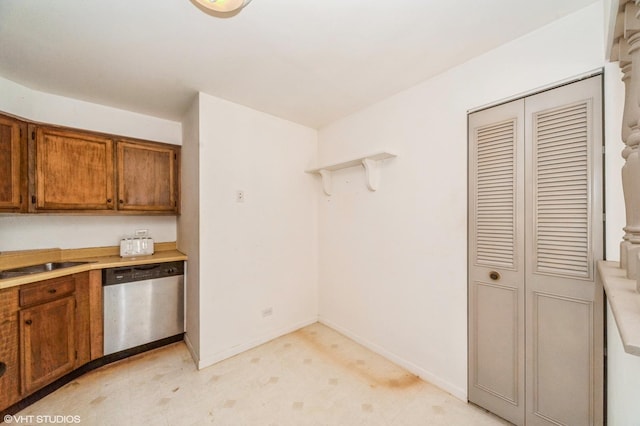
[(223, 6)]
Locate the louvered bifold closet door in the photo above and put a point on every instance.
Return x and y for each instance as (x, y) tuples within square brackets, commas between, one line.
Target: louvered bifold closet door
[(496, 260), (563, 241)]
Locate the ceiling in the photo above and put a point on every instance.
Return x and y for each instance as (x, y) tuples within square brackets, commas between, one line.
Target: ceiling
[(307, 61)]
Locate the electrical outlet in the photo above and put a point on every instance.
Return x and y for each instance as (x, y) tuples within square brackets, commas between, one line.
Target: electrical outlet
[(239, 196), (267, 312)]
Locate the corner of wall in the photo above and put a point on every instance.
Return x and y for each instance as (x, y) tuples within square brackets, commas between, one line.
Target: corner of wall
[(188, 224)]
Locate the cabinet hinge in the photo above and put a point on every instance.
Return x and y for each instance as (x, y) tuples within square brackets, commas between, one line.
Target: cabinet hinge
[(20, 198), (175, 204), (20, 133), (33, 135), (175, 156), (33, 199), (76, 354)]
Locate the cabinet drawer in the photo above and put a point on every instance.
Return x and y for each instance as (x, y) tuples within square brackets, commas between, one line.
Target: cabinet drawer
[(47, 290)]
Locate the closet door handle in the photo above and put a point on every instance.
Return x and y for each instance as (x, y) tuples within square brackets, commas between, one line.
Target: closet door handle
[(494, 275)]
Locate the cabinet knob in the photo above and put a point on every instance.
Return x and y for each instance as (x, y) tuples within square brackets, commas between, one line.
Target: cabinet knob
[(109, 200), (121, 201), (52, 290), (3, 368), (494, 275), (28, 322)]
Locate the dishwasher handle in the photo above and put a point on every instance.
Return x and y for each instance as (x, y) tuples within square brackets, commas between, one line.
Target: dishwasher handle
[(146, 267), (133, 273)]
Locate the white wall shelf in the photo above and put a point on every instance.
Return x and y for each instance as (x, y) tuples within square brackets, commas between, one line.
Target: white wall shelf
[(371, 164)]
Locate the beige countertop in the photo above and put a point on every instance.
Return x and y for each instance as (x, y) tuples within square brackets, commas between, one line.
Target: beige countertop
[(99, 258)]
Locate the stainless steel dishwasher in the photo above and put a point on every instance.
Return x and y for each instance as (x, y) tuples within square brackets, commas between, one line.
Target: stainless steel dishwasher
[(142, 304)]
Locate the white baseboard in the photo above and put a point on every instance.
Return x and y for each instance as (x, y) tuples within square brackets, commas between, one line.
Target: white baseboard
[(423, 374), (192, 351), (228, 353)]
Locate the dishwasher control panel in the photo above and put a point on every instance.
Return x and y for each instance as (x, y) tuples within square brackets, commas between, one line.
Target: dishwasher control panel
[(125, 274)]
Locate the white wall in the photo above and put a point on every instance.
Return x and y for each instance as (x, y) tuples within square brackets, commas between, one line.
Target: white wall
[(21, 232), (28, 232), (392, 263), (260, 253), (189, 223), (52, 109), (623, 376), (614, 199)]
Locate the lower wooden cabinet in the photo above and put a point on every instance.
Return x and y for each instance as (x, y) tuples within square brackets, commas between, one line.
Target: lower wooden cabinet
[(10, 392), (47, 342), (48, 329)]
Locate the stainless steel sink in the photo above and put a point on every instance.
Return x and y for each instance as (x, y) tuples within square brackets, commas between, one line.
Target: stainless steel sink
[(35, 269)]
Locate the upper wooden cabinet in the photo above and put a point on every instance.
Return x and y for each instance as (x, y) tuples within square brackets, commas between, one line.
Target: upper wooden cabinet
[(80, 171), (50, 169), (74, 171), (147, 177), (12, 164)]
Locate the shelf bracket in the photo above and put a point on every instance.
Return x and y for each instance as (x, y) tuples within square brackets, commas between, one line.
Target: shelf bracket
[(326, 181), (372, 171)]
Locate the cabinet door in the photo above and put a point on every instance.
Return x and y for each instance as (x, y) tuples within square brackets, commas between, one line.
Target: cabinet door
[(74, 171), (496, 260), (83, 318), (48, 344), (147, 177), (9, 367), (535, 233), (564, 303), (11, 173)]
